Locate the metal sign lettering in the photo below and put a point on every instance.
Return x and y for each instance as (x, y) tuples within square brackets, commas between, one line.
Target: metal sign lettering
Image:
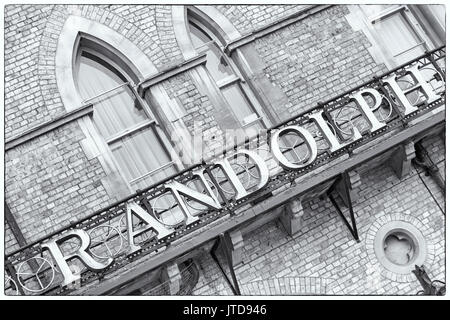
[(160, 214), (309, 139), (81, 253)]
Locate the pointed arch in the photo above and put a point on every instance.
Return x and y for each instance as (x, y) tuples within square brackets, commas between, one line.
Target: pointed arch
[(77, 33), (74, 29), (205, 30), (223, 29), (217, 21), (180, 26)]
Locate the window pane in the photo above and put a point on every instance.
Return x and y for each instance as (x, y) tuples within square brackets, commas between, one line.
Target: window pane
[(241, 107), (139, 154), (154, 177), (439, 11), (215, 61), (115, 111), (219, 67), (198, 37), (399, 36), (237, 101)]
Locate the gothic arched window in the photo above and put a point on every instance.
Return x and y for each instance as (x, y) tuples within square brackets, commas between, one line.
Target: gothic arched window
[(226, 76), (123, 119)]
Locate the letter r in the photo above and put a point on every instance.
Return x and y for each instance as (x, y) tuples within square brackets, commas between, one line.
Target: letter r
[(82, 253)]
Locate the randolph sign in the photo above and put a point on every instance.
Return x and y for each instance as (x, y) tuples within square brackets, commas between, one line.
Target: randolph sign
[(151, 219)]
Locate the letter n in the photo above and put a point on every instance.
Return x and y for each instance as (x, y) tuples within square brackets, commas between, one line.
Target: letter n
[(153, 224)]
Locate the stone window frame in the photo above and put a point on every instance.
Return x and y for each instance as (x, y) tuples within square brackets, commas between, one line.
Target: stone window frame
[(131, 59), (360, 21), (419, 245), (223, 31), (404, 12), (88, 45), (404, 220)]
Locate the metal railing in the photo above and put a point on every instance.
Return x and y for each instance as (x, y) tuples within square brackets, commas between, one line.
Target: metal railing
[(47, 279)]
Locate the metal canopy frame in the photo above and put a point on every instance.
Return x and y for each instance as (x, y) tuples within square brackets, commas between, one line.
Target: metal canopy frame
[(402, 128), (417, 130), (344, 178), (221, 244)]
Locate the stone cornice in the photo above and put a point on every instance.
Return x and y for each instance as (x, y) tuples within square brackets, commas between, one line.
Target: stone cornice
[(274, 26), (170, 72), (48, 126), (230, 47)]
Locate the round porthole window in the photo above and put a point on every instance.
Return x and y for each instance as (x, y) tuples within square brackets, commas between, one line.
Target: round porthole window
[(399, 246)]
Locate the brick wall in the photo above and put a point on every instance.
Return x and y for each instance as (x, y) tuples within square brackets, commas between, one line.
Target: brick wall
[(197, 105), (10, 241), (325, 253), (249, 18), (25, 104), (156, 22), (435, 145), (50, 182), (316, 59), (211, 281), (44, 189)]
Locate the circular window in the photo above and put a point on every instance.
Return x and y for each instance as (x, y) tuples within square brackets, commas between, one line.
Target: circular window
[(399, 246)]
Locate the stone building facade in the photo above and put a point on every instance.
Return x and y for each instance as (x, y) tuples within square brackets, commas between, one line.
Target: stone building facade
[(273, 62)]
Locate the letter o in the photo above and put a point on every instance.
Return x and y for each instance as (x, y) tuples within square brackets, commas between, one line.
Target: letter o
[(309, 139)]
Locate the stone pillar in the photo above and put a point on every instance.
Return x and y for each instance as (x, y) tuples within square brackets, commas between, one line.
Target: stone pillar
[(275, 100), (171, 274), (235, 243), (400, 160), (354, 183), (424, 161), (291, 218)]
